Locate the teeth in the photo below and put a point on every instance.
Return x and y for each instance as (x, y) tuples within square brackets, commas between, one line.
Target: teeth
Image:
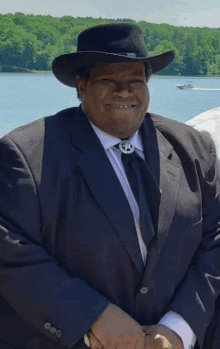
[(124, 106)]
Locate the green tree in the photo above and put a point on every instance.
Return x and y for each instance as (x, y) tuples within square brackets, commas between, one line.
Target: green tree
[(17, 47), (32, 42), (213, 69)]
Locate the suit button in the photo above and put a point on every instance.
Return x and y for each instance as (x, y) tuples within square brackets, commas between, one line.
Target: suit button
[(47, 325), (144, 290), (52, 330), (59, 333)]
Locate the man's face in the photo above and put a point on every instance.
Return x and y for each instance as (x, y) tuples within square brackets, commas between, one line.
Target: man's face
[(116, 97)]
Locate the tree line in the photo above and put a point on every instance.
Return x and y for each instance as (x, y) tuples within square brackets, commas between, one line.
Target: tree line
[(29, 43)]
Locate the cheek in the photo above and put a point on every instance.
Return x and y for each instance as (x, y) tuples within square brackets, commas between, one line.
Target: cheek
[(144, 96), (98, 96), (102, 93)]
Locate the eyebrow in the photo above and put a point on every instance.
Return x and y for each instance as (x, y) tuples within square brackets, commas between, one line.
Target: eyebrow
[(139, 72)]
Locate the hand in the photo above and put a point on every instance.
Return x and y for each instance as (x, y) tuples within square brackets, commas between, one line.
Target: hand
[(161, 337), (116, 329)]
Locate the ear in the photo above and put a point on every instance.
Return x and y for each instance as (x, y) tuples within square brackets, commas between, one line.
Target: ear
[(80, 86)]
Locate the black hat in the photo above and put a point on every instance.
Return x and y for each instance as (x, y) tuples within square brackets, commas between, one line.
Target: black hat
[(107, 43)]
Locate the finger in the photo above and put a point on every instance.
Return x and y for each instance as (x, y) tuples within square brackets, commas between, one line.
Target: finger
[(149, 343), (94, 342), (121, 347), (150, 346)]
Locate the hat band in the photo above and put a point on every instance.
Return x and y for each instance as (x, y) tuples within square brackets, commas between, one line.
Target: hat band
[(131, 54)]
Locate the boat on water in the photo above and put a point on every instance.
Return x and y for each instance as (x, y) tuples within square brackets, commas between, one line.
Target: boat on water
[(187, 86)]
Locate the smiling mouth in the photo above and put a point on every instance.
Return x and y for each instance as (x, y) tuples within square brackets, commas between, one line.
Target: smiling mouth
[(122, 106)]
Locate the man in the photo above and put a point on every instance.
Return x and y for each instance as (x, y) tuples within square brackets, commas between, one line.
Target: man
[(109, 228)]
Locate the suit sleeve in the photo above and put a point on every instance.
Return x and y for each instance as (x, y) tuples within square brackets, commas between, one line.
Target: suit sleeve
[(50, 306), (195, 296)]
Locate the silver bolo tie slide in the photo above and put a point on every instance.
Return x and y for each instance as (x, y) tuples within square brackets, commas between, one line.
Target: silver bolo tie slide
[(126, 147)]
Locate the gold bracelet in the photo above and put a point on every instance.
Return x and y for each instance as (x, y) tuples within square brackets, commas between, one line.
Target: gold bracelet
[(86, 340)]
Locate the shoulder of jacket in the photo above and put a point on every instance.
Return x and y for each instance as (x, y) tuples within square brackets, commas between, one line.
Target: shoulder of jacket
[(165, 124), (36, 129), (177, 132)]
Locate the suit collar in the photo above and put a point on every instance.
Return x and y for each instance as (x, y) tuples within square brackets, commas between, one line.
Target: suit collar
[(109, 141), (76, 121)]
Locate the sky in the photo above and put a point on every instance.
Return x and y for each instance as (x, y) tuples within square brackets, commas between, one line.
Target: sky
[(190, 13)]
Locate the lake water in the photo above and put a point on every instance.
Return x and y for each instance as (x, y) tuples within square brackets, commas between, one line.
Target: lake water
[(27, 97)]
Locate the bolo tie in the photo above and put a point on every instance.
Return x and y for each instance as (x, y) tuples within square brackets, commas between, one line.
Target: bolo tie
[(141, 182)]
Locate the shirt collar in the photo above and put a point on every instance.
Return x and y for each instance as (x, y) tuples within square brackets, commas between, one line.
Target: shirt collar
[(109, 141)]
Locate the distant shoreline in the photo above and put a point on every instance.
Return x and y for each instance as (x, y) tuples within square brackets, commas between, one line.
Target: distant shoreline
[(29, 72), (49, 72)]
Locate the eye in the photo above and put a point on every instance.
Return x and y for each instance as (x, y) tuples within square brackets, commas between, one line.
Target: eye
[(138, 81), (107, 81)]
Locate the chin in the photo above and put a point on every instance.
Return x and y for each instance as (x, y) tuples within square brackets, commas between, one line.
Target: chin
[(122, 133), (127, 129)]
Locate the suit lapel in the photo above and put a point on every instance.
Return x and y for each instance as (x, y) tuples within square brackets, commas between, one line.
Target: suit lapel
[(167, 174), (151, 152), (169, 184), (103, 182)]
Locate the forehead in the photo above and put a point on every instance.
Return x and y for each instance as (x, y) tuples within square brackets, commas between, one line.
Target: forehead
[(131, 68)]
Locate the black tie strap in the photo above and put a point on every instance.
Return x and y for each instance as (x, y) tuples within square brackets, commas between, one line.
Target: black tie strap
[(139, 178)]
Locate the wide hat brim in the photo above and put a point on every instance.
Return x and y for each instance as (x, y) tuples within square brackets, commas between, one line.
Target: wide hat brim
[(64, 67)]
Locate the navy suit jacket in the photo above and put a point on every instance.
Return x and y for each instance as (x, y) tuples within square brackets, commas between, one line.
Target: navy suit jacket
[(68, 243)]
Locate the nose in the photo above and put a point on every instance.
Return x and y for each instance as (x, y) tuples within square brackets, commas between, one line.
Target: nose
[(123, 90)]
